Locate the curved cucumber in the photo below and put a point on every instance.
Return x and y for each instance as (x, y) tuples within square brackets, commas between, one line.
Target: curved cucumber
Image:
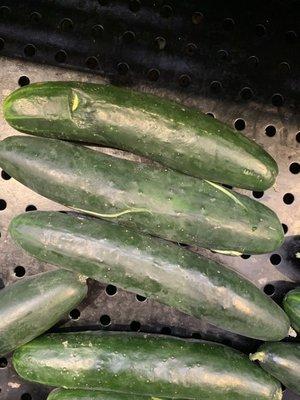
[(151, 267), (78, 394), (149, 199), (281, 360), (144, 364), (291, 305), (31, 306), (178, 137)]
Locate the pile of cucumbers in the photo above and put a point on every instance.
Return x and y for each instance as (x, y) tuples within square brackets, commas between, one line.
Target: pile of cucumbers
[(125, 227)]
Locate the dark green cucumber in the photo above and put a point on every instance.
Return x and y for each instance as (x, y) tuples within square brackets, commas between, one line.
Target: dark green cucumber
[(144, 364), (281, 360), (151, 267), (31, 306), (149, 199), (291, 305), (178, 137), (78, 394)]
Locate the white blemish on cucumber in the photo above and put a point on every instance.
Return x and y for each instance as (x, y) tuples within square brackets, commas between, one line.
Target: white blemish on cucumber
[(259, 356), (75, 102), (228, 252), (116, 215), (225, 191), (292, 332)]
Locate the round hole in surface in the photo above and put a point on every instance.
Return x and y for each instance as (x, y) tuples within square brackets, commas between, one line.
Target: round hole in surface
[(140, 298), (288, 198), (215, 86), (1, 43), (61, 56), (26, 396), (4, 12), (295, 168), (277, 100), (257, 194), (228, 24), (275, 259), (5, 176), (92, 62), (23, 80), (253, 61), (210, 114), (3, 362), (223, 55), (3, 205), (298, 137), (35, 17), (105, 320), (30, 207), (160, 42), (128, 37), (135, 326), (29, 50), (284, 67), (270, 130), (66, 25), (2, 286), (19, 271), (111, 290), (184, 80), (190, 49), (153, 74), (291, 36), (75, 314), (134, 5), (165, 330), (285, 228), (166, 11), (196, 335), (240, 124), (245, 256), (260, 30), (197, 18), (246, 93), (269, 289), (123, 68), (97, 31), (103, 2)]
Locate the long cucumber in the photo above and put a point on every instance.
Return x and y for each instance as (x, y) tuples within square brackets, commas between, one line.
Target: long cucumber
[(31, 306), (281, 360), (157, 201), (79, 394), (176, 136), (144, 364), (151, 267), (291, 305)]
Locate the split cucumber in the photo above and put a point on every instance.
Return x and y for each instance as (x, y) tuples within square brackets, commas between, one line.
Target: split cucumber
[(146, 198), (176, 136), (148, 365), (151, 267)]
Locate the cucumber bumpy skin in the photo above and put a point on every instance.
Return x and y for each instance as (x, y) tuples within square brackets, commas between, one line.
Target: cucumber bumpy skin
[(153, 268), (281, 360), (152, 200), (78, 394), (33, 305), (149, 365), (291, 305), (178, 137)]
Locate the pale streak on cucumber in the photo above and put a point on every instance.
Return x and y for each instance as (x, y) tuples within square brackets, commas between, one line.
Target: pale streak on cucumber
[(292, 332), (259, 356), (116, 215), (225, 191), (278, 394), (228, 252), (297, 255), (75, 102)]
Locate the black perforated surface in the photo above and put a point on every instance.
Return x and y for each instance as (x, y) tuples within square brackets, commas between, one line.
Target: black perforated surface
[(237, 62)]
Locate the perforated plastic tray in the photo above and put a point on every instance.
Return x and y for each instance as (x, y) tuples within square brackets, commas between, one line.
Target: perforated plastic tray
[(239, 65)]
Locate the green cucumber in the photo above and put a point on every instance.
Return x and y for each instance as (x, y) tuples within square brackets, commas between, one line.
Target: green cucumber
[(78, 394), (151, 267), (291, 305), (31, 306), (144, 364), (281, 360), (181, 138), (147, 198)]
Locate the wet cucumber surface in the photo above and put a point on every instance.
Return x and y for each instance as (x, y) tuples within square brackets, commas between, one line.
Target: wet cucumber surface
[(176, 136), (153, 268), (149, 199), (144, 364)]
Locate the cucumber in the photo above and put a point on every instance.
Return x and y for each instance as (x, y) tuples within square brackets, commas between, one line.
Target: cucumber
[(281, 360), (181, 138), (153, 268), (156, 201), (144, 364), (291, 305), (31, 306), (78, 394)]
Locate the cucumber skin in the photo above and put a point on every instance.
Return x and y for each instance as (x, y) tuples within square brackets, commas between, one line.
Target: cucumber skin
[(181, 138), (282, 360), (291, 305), (143, 364), (33, 305), (174, 206), (78, 394), (153, 268)]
